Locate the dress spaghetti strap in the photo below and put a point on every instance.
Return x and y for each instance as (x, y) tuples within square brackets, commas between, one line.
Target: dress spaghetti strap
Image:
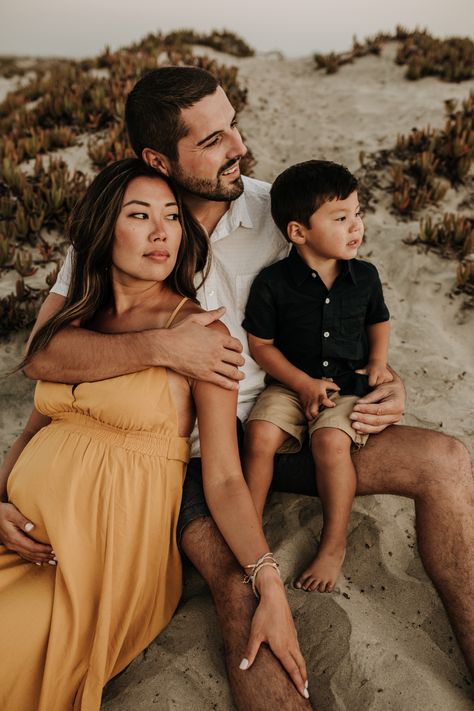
[(176, 311)]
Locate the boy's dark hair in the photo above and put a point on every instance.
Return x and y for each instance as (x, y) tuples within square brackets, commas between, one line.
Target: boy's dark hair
[(153, 107), (301, 190)]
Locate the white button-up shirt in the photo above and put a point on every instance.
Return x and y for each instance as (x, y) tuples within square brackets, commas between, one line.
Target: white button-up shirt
[(244, 241)]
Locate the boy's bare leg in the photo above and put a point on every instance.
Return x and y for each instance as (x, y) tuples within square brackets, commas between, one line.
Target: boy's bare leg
[(435, 471), (262, 440), (265, 685), (336, 481)]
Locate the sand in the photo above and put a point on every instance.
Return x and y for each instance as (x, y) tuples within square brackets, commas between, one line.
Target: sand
[(382, 639)]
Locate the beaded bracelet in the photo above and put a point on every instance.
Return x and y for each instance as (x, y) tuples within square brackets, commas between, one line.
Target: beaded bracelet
[(265, 560)]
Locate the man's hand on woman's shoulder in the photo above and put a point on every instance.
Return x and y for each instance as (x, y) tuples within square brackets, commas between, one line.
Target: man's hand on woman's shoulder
[(200, 353)]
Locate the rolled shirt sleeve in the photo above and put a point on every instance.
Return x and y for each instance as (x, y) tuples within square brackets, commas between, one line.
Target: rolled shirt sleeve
[(377, 310), (261, 309), (61, 286)]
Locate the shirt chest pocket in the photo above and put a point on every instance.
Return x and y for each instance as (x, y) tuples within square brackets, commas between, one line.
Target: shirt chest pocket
[(352, 316), (351, 328)]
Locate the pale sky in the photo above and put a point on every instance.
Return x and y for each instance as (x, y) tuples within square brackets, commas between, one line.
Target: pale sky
[(297, 27)]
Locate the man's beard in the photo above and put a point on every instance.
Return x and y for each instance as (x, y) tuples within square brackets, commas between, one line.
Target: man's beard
[(208, 189)]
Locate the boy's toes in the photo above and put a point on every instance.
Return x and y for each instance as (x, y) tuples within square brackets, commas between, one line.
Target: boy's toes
[(308, 582), (303, 581)]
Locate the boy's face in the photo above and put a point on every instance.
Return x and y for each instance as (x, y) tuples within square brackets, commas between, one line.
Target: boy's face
[(336, 229)]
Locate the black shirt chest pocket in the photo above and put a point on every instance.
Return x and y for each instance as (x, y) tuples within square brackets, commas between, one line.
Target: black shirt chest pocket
[(351, 327)]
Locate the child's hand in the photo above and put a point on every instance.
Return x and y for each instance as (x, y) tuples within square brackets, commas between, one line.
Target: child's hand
[(377, 371), (314, 393)]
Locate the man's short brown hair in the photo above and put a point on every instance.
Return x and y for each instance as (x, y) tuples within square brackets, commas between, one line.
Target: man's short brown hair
[(153, 107)]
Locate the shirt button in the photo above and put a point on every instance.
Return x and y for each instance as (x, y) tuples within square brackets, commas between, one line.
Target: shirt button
[(327, 301), (325, 363), (313, 274), (211, 292), (326, 334)]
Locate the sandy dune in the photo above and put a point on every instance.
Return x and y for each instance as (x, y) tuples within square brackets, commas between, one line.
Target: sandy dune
[(382, 640)]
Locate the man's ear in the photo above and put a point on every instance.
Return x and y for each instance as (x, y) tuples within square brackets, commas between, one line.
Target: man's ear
[(158, 161), (295, 233)]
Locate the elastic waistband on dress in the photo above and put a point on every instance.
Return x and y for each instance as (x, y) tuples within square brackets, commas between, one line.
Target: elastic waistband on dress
[(151, 443)]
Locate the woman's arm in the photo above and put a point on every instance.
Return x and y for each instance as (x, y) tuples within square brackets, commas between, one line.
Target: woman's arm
[(14, 527), (234, 513)]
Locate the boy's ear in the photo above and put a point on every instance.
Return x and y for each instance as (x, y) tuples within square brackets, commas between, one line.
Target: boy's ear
[(156, 160), (295, 233)]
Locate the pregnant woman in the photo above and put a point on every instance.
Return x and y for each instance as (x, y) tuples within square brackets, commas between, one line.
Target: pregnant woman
[(102, 470)]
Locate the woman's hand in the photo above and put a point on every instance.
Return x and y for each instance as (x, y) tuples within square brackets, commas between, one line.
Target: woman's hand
[(14, 529), (273, 624)]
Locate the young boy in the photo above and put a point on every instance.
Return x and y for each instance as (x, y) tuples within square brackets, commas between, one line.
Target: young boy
[(318, 325)]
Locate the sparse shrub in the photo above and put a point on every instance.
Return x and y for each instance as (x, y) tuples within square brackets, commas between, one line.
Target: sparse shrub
[(452, 236), (24, 263), (332, 61), (451, 59), (114, 146), (20, 308), (465, 276), (6, 250), (426, 161), (62, 100), (220, 40)]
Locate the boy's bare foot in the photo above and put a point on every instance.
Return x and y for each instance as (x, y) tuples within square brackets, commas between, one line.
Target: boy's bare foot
[(322, 573)]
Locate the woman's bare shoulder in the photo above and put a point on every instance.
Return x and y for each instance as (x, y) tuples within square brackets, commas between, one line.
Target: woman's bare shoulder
[(191, 308)]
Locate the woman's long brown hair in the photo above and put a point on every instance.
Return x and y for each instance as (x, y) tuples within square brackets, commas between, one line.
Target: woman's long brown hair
[(91, 230)]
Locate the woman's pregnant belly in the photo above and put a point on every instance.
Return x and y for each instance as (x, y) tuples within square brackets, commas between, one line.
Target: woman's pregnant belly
[(40, 481)]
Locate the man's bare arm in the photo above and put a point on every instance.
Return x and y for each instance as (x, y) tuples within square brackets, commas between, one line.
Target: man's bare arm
[(78, 355)]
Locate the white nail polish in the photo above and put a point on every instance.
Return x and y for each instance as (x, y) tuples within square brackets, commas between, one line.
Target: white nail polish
[(29, 527), (51, 562), (306, 694), (38, 564), (306, 684), (244, 664)]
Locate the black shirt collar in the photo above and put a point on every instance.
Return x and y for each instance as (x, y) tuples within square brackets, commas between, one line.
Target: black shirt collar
[(300, 271)]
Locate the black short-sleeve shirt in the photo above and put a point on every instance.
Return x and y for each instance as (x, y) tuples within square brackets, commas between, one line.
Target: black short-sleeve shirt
[(322, 332)]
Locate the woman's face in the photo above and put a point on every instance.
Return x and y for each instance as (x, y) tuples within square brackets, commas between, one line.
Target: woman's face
[(147, 232)]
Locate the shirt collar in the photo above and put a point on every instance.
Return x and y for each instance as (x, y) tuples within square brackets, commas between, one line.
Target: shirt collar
[(300, 271), (348, 270), (236, 216)]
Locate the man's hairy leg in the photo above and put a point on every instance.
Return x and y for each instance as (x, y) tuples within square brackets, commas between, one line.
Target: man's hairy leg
[(265, 685), (435, 471)]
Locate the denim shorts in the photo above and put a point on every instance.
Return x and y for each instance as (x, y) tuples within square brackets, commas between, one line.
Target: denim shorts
[(292, 473)]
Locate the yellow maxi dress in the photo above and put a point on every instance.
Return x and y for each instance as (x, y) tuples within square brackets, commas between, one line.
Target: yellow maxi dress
[(102, 483)]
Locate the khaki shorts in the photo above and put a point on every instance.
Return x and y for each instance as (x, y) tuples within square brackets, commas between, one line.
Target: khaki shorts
[(281, 406)]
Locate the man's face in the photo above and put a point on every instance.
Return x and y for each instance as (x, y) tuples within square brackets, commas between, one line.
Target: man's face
[(209, 156)]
